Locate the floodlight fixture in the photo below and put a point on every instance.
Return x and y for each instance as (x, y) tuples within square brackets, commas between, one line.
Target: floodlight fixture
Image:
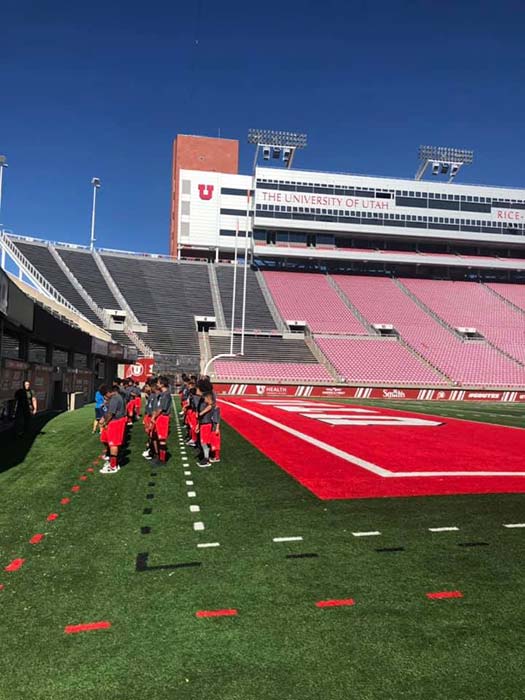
[(443, 153), (96, 182), (444, 160), (276, 138), (276, 144)]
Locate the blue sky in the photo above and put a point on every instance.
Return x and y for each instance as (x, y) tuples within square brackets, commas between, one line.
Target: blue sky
[(102, 88)]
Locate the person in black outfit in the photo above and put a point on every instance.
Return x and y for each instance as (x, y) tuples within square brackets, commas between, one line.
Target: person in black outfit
[(25, 407)]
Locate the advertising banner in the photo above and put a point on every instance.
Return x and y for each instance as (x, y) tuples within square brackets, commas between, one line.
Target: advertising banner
[(352, 392)]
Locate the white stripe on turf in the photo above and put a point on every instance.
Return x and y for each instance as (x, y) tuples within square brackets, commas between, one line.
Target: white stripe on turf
[(198, 526), (287, 539), (195, 509), (514, 525), (192, 494), (189, 483), (443, 529), (209, 544), (371, 533)]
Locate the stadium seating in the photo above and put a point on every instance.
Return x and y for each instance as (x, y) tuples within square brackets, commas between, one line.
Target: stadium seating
[(380, 300), (258, 315), (82, 264), (377, 361), (39, 256), (515, 293), (167, 296), (470, 304), (271, 371), (265, 348), (309, 297)]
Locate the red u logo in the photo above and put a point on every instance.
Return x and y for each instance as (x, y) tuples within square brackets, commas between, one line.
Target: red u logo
[(205, 191)]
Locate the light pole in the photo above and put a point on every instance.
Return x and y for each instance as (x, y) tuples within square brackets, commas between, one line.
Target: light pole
[(277, 145), (3, 164), (234, 294), (96, 184)]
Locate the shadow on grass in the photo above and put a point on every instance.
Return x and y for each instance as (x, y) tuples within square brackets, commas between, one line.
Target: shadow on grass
[(13, 449)]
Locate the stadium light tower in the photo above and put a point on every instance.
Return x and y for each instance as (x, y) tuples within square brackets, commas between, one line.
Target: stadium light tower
[(96, 184), (275, 144), (444, 160), (3, 164)]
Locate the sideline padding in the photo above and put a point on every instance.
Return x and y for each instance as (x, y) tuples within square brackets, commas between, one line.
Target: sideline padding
[(341, 451)]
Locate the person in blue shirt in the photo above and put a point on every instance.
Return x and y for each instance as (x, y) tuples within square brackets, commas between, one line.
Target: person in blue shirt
[(100, 406)]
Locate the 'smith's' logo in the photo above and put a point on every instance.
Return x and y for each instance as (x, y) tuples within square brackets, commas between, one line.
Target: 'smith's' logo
[(205, 191)]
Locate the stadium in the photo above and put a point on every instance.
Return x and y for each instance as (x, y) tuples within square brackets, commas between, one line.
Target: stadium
[(362, 534)]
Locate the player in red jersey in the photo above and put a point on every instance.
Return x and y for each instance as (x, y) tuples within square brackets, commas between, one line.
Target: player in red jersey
[(113, 427), (161, 417)]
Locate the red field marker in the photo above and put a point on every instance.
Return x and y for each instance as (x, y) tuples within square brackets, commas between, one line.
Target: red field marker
[(335, 603), (1, 586), (88, 627), (75, 489), (36, 538), (444, 594), (83, 478), (15, 565), (65, 501), (216, 613), (90, 470), (52, 516)]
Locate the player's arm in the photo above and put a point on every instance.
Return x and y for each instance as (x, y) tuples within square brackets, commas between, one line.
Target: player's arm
[(34, 403), (205, 410)]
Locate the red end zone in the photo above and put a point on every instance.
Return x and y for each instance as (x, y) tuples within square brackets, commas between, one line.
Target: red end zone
[(341, 451)]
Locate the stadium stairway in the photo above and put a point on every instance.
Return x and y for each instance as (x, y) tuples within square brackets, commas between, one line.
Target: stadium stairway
[(216, 297)]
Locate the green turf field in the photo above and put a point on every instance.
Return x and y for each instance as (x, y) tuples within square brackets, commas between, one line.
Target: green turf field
[(393, 643)]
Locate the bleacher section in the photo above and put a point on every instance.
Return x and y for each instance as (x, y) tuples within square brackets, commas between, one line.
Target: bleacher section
[(166, 296), (258, 315), (470, 304), (515, 293), (271, 371), (340, 311), (39, 256), (83, 266), (377, 361), (309, 297), (265, 349), (380, 300)]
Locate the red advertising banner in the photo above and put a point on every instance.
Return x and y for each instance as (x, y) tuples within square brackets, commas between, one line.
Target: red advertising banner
[(352, 392), (141, 370)]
